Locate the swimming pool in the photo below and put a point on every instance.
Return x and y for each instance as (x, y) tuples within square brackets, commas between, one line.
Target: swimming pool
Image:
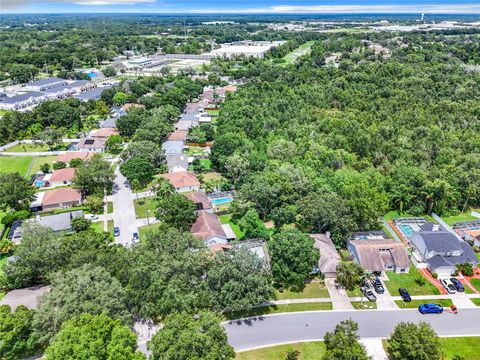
[(406, 229), (222, 200), (92, 75)]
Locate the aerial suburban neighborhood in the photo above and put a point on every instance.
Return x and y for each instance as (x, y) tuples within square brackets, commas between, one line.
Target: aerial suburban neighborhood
[(239, 181)]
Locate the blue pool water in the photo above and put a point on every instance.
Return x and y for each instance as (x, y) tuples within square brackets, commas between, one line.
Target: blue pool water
[(38, 183), (406, 229), (92, 75), (219, 201)]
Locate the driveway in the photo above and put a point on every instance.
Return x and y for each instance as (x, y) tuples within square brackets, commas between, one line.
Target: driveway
[(385, 301), (287, 328), (338, 296), (123, 209), (26, 296)]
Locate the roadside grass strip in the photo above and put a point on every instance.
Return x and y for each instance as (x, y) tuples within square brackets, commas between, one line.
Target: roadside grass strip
[(276, 309), (308, 350), (416, 303)]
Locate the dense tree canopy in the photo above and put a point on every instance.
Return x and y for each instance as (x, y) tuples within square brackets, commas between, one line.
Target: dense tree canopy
[(411, 341), (16, 340)]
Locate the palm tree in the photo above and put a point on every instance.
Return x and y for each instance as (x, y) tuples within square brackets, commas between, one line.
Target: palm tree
[(350, 275)]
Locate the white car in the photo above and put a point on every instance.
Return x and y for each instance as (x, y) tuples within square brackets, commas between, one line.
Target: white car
[(448, 285), (91, 217)]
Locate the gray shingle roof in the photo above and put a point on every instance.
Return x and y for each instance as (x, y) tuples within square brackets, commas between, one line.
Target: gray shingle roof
[(22, 97), (92, 94), (440, 241), (47, 81), (172, 147)]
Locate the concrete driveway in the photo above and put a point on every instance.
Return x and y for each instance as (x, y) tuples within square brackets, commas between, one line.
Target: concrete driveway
[(269, 330), (26, 296), (123, 209), (338, 296)]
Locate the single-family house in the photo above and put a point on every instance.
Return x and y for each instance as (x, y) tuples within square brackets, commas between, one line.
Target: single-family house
[(442, 251), (103, 133), (129, 106), (109, 123), (183, 181), (59, 177), (69, 155), (379, 255), (57, 223), (183, 125), (257, 247), (179, 135), (201, 200), (57, 198), (177, 162), (469, 231), (329, 257), (209, 229), (91, 144), (173, 147)]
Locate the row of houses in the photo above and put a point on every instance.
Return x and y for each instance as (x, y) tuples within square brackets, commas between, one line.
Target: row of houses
[(36, 92)]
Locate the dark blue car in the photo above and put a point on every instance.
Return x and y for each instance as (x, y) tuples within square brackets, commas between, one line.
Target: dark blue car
[(458, 285), (430, 309)]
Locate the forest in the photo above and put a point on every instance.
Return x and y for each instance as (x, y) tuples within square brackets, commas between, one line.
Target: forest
[(376, 133)]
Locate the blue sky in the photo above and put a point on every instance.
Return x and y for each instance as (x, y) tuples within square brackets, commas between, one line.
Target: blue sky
[(242, 6)]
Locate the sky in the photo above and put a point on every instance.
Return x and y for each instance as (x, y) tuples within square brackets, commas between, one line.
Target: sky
[(242, 6)]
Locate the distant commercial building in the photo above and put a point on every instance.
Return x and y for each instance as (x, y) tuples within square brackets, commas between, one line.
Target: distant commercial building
[(44, 84), (22, 101)]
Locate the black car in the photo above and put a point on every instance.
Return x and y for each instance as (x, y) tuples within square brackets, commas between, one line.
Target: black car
[(458, 285), (405, 295), (378, 286), (368, 294)]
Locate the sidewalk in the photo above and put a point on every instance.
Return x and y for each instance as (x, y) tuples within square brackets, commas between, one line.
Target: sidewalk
[(338, 296), (374, 348)]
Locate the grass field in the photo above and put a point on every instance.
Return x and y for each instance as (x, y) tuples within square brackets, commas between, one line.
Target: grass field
[(395, 214), (366, 305), (276, 309), (450, 220), (98, 226), (476, 301), (315, 289), (18, 164), (40, 160), (415, 303), (407, 281), (213, 112), (308, 351), (144, 204), (206, 163), (303, 49), (227, 219)]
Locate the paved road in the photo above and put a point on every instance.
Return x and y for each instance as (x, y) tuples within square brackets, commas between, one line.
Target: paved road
[(123, 209), (26, 296), (284, 328)]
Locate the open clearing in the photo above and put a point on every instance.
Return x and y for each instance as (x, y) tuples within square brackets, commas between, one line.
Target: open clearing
[(303, 49)]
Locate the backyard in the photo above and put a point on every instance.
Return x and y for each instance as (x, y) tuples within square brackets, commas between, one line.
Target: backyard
[(39, 161), (28, 147), (196, 151), (466, 216), (315, 289), (142, 231), (308, 350), (227, 219), (409, 282)]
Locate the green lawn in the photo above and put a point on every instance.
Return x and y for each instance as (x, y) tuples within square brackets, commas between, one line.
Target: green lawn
[(276, 309), (227, 219), (308, 351), (395, 214), (20, 164), (206, 163), (476, 301), (407, 281), (40, 160), (314, 289), (213, 112), (467, 347), (98, 226), (28, 148), (415, 303), (475, 283), (144, 204), (109, 207), (142, 231), (366, 305), (450, 220)]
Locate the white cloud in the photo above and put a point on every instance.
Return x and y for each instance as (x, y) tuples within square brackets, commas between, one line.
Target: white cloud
[(112, 2), (19, 4), (334, 9)]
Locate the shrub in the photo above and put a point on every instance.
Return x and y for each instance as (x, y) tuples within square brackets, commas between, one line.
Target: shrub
[(420, 280), (435, 276), (59, 165)]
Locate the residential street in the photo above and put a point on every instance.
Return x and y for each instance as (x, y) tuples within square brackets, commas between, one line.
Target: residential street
[(284, 328), (123, 209)]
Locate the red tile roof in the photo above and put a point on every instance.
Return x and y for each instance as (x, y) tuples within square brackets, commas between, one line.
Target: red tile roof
[(207, 226), (69, 155), (200, 198), (179, 135), (182, 179), (104, 132), (58, 196), (62, 175)]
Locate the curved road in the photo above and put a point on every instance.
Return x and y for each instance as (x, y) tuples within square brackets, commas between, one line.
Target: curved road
[(269, 330)]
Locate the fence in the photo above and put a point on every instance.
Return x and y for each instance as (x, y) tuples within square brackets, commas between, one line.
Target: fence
[(445, 226)]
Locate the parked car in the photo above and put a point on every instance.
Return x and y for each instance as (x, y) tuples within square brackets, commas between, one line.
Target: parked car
[(135, 237), (405, 295), (430, 309), (447, 284), (368, 293), (458, 285), (378, 286), (116, 231), (91, 217)]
